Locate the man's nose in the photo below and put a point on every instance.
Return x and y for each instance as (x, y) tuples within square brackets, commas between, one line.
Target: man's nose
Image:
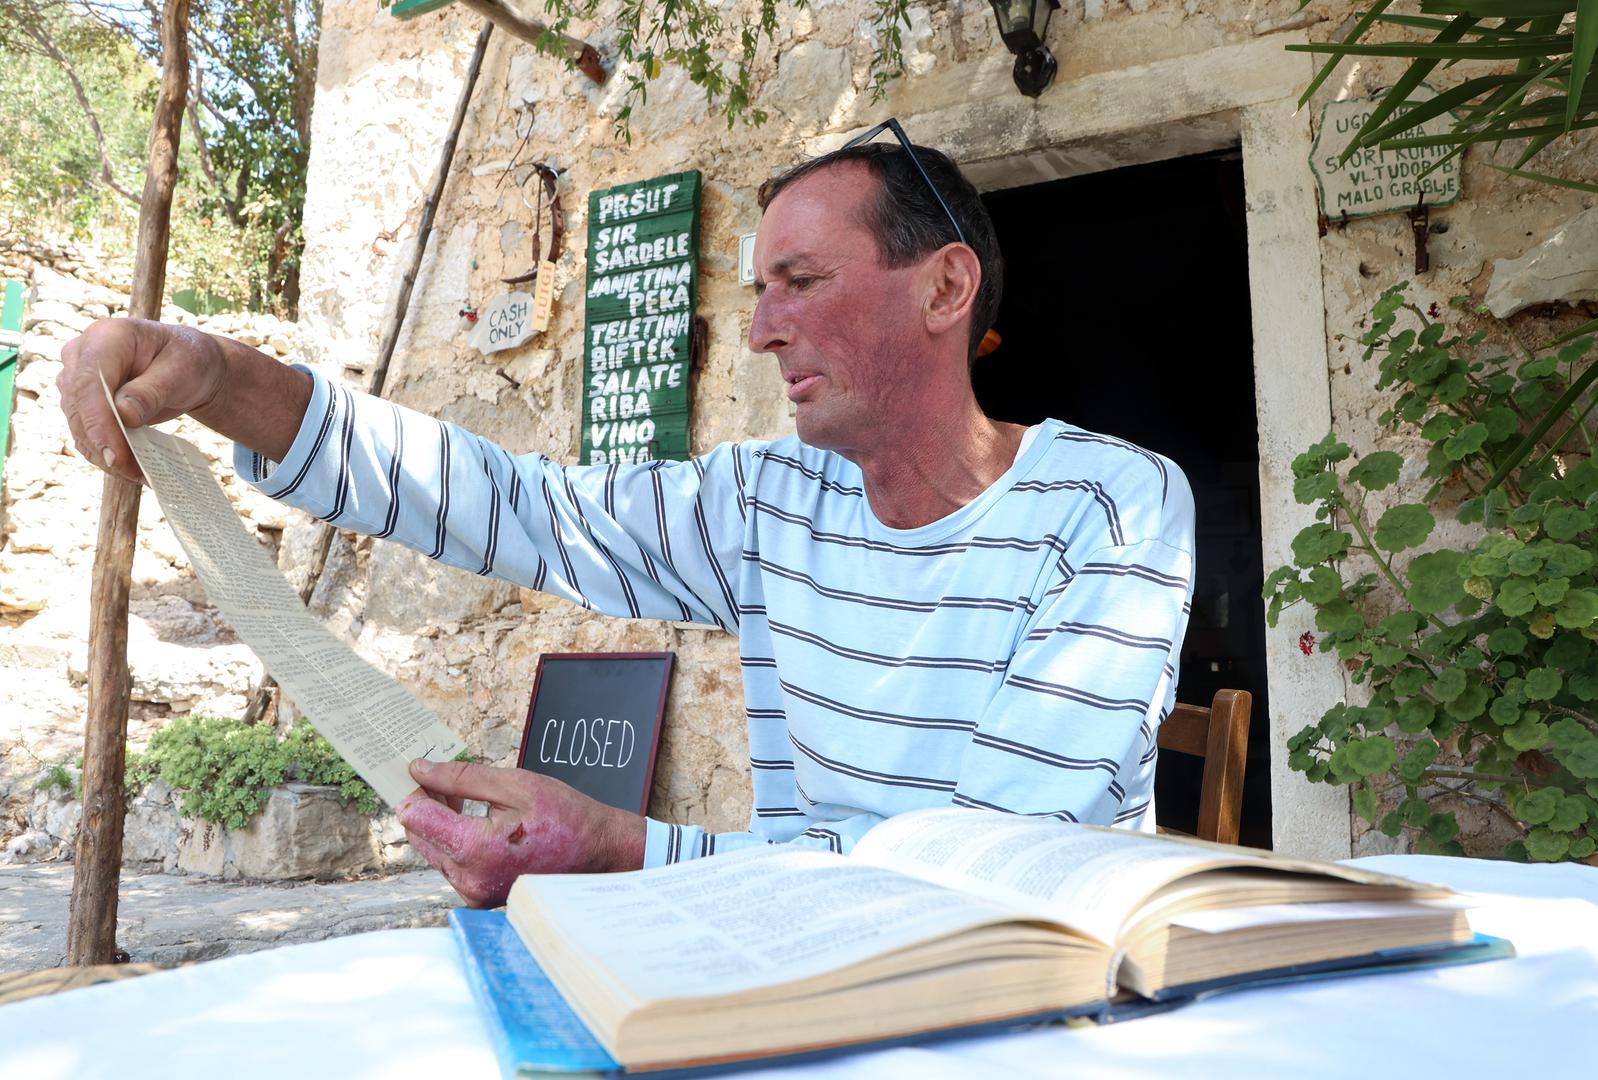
[(766, 332)]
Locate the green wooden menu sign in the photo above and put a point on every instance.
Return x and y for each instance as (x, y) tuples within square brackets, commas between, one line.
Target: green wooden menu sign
[(643, 281)]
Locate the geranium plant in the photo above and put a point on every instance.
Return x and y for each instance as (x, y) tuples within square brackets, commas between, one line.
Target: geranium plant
[(1479, 657)]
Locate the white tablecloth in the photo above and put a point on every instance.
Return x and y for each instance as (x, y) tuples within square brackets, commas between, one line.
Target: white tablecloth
[(395, 1004)]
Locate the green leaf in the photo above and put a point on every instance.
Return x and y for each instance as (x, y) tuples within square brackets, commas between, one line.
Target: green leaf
[(1517, 596), (1525, 562), (1545, 845), (1449, 684), (1567, 734), (1539, 368), (1415, 715), (1578, 609), (1400, 624), (1440, 427), (1392, 823), (1377, 470), (1568, 652), (1365, 803), (1323, 586), (1441, 828), (1581, 759), (1542, 684), (1536, 806), (1581, 847), (1372, 755), (1434, 581), (1501, 423), (1570, 816), (1528, 734), (1522, 450), (1410, 680), (1544, 178), (1583, 48), (1339, 617), (1507, 640), (1415, 811), (1418, 760), (1466, 441), (1387, 655), (1317, 544), (1551, 591), (1566, 560), (1505, 711), (1366, 20), (1565, 522), (1404, 526), (1315, 488), (1470, 704)]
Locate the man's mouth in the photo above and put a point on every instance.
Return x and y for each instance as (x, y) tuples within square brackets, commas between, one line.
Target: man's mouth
[(800, 383)]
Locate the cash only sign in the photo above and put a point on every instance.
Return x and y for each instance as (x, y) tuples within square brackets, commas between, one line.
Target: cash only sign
[(643, 271)]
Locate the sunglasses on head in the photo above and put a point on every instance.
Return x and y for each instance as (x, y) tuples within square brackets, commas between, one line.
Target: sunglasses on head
[(892, 125)]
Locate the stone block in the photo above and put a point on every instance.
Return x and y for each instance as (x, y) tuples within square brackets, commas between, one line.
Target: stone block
[(38, 377), (54, 311), (200, 848), (51, 285), (304, 831), (151, 831), (813, 83), (1560, 269)]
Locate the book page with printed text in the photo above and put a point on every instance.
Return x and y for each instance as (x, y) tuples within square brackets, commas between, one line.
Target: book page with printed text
[(369, 718)]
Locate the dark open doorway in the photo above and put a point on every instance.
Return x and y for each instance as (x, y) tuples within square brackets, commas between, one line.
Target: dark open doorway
[(1126, 311)]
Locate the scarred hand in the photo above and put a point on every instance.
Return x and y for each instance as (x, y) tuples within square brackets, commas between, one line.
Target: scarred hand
[(535, 825)]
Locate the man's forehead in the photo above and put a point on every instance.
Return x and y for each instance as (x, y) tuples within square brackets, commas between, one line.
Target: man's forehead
[(814, 215)]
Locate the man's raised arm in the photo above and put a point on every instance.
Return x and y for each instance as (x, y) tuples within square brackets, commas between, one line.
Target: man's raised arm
[(158, 371)]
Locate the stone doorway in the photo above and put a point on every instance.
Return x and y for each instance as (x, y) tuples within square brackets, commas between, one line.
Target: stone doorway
[(1127, 312)]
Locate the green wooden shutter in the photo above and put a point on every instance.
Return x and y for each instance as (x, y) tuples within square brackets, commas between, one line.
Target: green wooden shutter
[(10, 339)]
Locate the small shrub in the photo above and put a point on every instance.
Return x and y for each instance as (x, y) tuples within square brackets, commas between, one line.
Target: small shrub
[(58, 776), (225, 769)]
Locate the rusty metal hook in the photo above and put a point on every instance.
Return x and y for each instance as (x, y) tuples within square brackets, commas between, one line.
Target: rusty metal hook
[(548, 196)]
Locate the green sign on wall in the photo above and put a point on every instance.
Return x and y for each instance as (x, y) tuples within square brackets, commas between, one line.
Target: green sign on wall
[(643, 279)]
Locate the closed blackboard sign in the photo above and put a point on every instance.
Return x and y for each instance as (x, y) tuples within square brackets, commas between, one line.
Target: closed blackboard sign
[(594, 722), (643, 269)]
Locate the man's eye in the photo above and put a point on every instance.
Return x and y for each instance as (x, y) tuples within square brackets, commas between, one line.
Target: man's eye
[(800, 284)]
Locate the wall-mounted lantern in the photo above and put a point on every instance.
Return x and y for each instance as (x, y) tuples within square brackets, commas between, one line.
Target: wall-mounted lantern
[(1022, 24)]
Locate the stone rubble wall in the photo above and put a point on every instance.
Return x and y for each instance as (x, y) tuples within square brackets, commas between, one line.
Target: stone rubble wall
[(182, 657)]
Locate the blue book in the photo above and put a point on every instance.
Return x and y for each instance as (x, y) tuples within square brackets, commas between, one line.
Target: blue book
[(532, 1028)]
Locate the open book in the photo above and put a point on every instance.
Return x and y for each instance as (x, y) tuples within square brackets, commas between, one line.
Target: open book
[(940, 920)]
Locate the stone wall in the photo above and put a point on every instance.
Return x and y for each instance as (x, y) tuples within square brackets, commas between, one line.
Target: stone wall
[(1139, 80)]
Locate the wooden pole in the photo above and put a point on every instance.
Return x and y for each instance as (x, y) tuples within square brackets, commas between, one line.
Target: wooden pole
[(391, 327), (92, 922)]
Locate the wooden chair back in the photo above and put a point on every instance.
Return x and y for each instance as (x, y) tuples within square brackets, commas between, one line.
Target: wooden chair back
[(1219, 735)]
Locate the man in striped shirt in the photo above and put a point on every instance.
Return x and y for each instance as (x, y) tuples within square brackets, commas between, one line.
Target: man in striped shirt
[(933, 608)]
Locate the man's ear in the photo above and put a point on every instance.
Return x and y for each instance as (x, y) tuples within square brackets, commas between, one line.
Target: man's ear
[(953, 276)]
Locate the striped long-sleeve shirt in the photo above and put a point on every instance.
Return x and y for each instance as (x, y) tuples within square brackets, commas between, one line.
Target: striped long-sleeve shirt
[(1018, 654)]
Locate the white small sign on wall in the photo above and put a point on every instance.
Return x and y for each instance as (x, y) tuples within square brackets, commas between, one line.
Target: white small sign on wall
[(503, 323), (746, 259)]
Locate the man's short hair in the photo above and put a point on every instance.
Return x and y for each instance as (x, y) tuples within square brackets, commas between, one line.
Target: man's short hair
[(907, 222)]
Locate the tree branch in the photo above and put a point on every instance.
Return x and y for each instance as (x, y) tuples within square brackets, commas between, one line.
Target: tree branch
[(195, 75), (42, 37)]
